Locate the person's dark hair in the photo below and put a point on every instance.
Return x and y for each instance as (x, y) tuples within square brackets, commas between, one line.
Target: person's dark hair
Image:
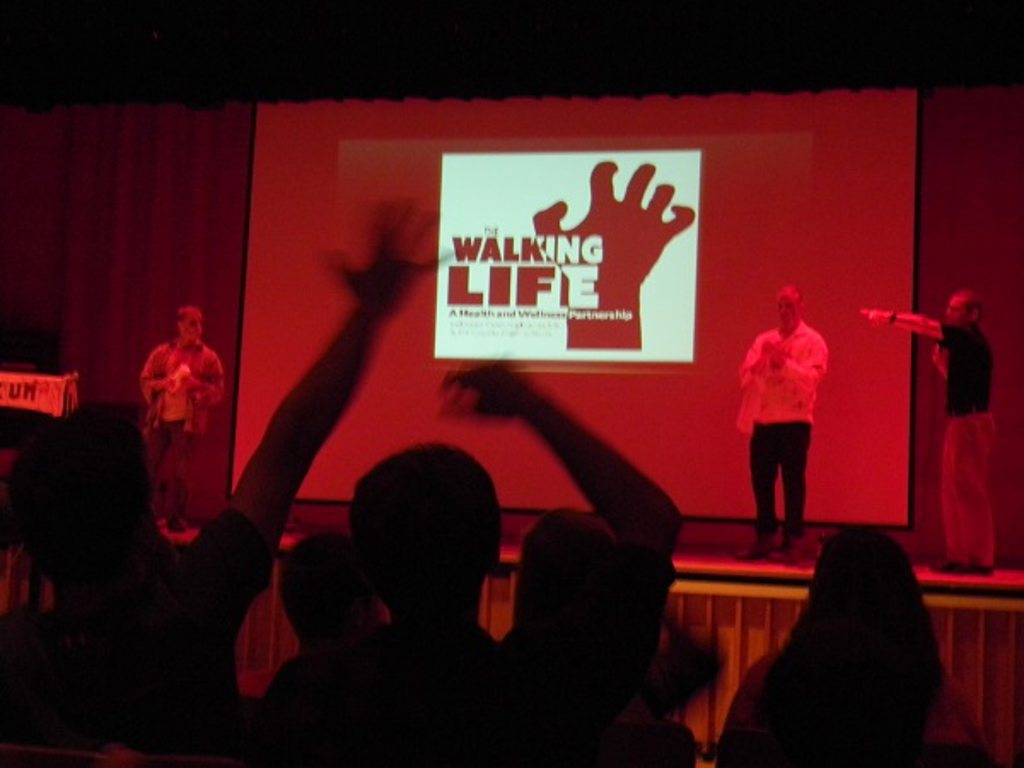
[(561, 553), (427, 528), (319, 583), (844, 694), (862, 665), (78, 490), (863, 574)]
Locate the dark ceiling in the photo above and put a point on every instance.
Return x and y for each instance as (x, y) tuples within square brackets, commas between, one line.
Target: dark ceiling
[(205, 53)]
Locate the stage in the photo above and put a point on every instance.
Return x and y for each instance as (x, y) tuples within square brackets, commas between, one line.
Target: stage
[(721, 568), (717, 567)]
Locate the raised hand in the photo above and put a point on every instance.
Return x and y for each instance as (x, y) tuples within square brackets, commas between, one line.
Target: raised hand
[(634, 238), (309, 412), (398, 256), (637, 509), (492, 389)]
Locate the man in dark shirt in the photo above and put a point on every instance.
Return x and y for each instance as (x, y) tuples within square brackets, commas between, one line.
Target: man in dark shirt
[(962, 355)]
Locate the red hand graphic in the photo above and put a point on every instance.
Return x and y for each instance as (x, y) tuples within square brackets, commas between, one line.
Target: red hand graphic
[(634, 239)]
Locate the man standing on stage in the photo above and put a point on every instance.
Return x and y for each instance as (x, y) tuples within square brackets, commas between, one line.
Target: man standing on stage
[(963, 357), (780, 377), (180, 381)]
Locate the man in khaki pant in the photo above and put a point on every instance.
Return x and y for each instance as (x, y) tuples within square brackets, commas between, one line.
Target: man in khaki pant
[(963, 356)]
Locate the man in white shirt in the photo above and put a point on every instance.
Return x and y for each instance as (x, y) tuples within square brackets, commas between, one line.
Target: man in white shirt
[(780, 377)]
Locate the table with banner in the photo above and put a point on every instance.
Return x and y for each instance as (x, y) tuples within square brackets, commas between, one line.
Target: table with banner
[(43, 393)]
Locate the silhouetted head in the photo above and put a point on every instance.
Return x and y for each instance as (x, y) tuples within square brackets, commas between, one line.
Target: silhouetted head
[(320, 586), (842, 694), (854, 683), (427, 528), (79, 490), (865, 575), (562, 552)]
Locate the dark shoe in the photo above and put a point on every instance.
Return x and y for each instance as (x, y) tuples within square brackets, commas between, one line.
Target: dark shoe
[(760, 550), (947, 566), (790, 551), (973, 569), (176, 524)]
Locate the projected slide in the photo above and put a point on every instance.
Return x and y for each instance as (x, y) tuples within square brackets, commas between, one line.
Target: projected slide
[(625, 253), (522, 283)]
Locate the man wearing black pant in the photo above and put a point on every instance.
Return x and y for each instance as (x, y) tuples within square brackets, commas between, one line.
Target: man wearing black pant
[(780, 377)]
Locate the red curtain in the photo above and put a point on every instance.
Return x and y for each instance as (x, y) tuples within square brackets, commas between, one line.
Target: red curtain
[(112, 217), (971, 235)]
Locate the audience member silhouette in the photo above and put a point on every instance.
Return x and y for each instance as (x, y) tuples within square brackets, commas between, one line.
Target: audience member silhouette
[(433, 688), (330, 605), (563, 551), (563, 554), (326, 596), (864, 578), (844, 694), (139, 646)]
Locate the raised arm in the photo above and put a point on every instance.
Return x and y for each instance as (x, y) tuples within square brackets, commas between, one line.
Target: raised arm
[(309, 412), (638, 511), (906, 321)]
